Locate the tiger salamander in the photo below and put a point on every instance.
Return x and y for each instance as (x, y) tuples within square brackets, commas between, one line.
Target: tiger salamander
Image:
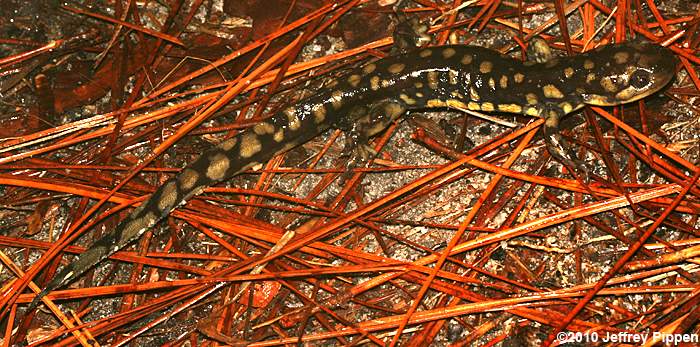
[(366, 100)]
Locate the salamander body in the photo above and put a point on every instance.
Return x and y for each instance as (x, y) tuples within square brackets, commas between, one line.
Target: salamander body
[(366, 100)]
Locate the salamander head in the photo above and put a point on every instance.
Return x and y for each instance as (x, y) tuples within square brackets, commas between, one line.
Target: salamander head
[(619, 74)]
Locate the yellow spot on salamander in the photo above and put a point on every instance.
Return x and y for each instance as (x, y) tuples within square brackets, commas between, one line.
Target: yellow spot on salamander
[(566, 107), (608, 85), (568, 72), (626, 94), (503, 82), (419, 95), (187, 179), (485, 67), (418, 85), (436, 103), (588, 64), (396, 68), (407, 99), (134, 228), (250, 145), (264, 128), (337, 99), (278, 136), (218, 165), (590, 77), (598, 100), (354, 80), (518, 77), (621, 57), (168, 196), (448, 53), (374, 83), (457, 95), (487, 107), (228, 144), (492, 83), (433, 80), (473, 94), (552, 120), (531, 111), (425, 53), (452, 76), (512, 108), (531, 98), (319, 112), (467, 59), (369, 68), (457, 104), (474, 106), (550, 91), (292, 119)]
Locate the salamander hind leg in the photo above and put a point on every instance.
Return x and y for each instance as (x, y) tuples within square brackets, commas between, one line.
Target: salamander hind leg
[(409, 33)]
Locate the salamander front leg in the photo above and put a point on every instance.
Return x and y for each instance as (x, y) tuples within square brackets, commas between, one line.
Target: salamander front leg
[(409, 33), (357, 152), (559, 148)]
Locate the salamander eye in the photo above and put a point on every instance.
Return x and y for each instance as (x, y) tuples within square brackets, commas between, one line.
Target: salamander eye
[(640, 79)]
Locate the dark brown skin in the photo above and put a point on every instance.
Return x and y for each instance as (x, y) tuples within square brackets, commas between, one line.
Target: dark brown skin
[(366, 100)]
